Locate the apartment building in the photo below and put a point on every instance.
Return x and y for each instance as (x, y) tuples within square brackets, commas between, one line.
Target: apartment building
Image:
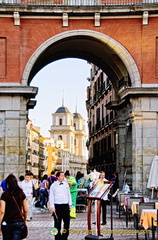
[(101, 122), (35, 150)]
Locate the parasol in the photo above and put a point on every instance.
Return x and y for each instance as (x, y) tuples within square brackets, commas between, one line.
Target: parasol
[(94, 175), (153, 176)]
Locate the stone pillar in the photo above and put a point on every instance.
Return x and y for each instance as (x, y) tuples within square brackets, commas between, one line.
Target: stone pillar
[(120, 153), (144, 138), (14, 102), (124, 146)]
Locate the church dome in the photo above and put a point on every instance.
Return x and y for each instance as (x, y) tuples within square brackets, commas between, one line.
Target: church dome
[(77, 115), (62, 110)]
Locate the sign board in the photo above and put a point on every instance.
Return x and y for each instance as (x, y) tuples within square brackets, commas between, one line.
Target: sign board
[(100, 189)]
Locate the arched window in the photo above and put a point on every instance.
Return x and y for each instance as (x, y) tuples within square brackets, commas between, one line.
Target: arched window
[(60, 137), (60, 121)]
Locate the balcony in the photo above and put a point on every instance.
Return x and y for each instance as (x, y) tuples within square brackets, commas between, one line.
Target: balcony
[(66, 128), (35, 165), (35, 152), (41, 145), (77, 3)]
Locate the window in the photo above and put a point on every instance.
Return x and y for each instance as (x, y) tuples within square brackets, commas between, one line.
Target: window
[(60, 137), (60, 121)]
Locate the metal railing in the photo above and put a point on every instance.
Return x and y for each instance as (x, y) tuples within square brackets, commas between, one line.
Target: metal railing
[(84, 3)]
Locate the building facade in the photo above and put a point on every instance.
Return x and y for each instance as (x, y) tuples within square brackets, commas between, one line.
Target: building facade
[(51, 153), (103, 128), (68, 132), (35, 150)]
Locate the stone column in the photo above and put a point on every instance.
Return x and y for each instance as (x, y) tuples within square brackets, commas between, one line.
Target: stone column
[(123, 145), (14, 102), (120, 153), (144, 138)]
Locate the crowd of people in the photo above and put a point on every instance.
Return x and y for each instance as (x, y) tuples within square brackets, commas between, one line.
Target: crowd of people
[(57, 192)]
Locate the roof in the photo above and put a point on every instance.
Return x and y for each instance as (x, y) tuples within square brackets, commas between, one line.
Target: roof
[(62, 110), (77, 115)]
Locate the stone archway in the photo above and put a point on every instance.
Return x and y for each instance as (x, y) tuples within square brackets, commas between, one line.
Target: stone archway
[(142, 100), (105, 40)]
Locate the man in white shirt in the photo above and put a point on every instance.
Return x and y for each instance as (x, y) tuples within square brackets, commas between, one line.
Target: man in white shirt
[(60, 204), (103, 201), (27, 187)]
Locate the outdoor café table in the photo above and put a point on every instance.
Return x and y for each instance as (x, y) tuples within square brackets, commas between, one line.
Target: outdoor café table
[(134, 207), (146, 217)]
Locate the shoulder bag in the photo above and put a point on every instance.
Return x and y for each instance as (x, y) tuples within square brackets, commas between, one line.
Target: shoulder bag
[(24, 229)]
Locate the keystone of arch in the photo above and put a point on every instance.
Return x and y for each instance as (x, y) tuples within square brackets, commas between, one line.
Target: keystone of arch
[(112, 43)]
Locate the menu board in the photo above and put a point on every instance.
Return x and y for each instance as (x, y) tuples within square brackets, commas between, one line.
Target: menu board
[(100, 189)]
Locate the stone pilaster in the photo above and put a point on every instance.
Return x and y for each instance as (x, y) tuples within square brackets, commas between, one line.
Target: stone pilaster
[(13, 117), (144, 138)]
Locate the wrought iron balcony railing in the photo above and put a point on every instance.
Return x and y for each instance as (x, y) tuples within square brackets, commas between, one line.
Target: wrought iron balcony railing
[(85, 3)]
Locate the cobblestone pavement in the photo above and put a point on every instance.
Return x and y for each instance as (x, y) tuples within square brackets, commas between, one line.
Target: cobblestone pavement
[(39, 227)]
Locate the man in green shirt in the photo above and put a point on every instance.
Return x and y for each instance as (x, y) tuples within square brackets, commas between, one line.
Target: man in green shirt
[(73, 190)]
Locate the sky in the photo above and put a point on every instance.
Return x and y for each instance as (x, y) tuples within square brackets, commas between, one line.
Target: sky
[(63, 80)]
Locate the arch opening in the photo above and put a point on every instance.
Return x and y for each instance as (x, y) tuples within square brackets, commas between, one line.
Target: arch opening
[(97, 48)]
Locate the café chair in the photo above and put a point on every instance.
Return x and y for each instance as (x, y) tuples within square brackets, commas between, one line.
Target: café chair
[(128, 207), (153, 200), (136, 217), (121, 202), (154, 228)]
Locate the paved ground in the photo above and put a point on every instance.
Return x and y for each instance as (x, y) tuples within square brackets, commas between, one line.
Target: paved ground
[(42, 222)]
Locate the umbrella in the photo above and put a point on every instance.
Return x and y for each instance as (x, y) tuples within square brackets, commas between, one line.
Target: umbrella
[(94, 175), (153, 176)]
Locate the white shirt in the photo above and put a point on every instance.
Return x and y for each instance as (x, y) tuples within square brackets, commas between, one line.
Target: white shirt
[(105, 197), (59, 194), (27, 188)]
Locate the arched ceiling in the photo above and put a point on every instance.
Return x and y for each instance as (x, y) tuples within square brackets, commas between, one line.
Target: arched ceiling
[(87, 48)]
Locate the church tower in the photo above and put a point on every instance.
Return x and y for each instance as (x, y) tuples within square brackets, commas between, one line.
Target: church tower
[(62, 129)]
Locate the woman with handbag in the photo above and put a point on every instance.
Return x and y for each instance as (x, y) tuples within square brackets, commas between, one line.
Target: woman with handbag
[(13, 210)]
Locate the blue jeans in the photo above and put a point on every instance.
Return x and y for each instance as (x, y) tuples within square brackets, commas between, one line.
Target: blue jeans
[(12, 231), (43, 197)]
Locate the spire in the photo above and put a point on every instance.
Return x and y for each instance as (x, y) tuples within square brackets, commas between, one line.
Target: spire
[(63, 99), (76, 106)]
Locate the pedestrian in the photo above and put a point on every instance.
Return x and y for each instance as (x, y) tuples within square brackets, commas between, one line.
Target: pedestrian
[(60, 204), (115, 189), (27, 187), (52, 178), (81, 181), (78, 176), (3, 185), (44, 192), (11, 219), (116, 182), (87, 180), (104, 203), (21, 178), (73, 190)]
